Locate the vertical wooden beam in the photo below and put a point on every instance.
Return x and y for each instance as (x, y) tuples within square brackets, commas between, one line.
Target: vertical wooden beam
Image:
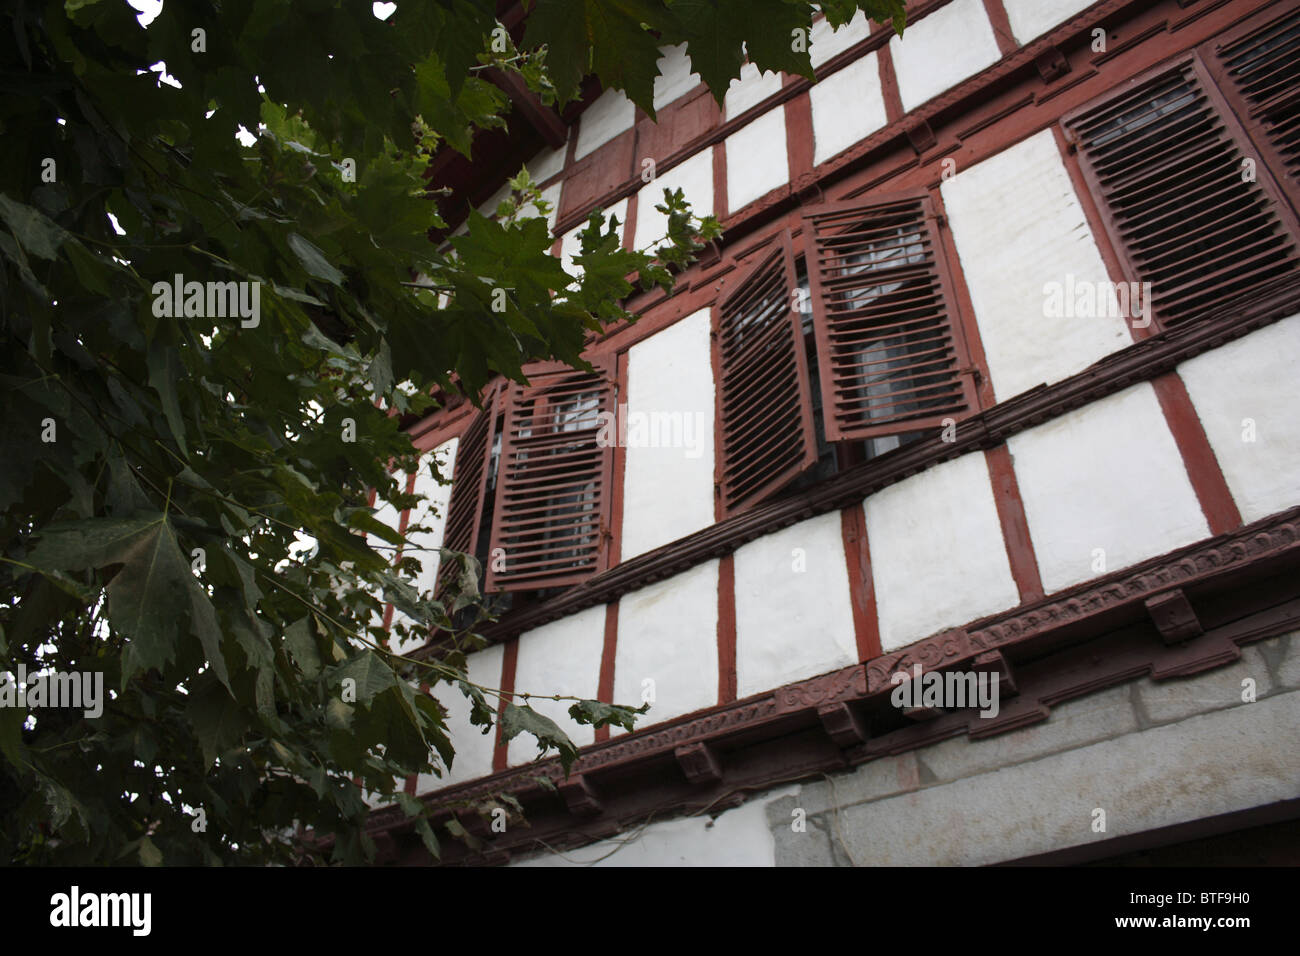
[(1015, 526), (1202, 465), (1001, 25), (605, 687), (509, 659), (727, 629), (862, 589)]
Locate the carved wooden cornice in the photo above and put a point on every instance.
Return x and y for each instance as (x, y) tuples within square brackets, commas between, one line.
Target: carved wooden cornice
[(1072, 643)]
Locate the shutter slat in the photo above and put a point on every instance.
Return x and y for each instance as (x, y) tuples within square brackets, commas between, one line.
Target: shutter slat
[(468, 481), (553, 482), (1166, 161), (1262, 69), (886, 338), (765, 428)]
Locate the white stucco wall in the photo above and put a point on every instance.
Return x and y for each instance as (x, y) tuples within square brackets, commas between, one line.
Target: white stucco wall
[(793, 624), (941, 50), (571, 245), (825, 43), (847, 106), (609, 115), (432, 512), (694, 178), (938, 559), (749, 89), (1018, 226), (473, 747), (1105, 476), (738, 837), (562, 657), (1256, 378), (668, 491), (1032, 18), (668, 635), (547, 163), (675, 77), (756, 159)]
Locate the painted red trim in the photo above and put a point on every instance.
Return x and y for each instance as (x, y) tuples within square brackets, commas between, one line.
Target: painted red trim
[(720, 208), (799, 136), (1015, 525), (618, 476), (509, 661), (726, 629), (965, 323), (1001, 25), (608, 651), (862, 589), (889, 85), (629, 222), (1217, 503)]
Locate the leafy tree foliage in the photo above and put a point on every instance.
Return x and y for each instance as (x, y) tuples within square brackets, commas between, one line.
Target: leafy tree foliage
[(185, 494)]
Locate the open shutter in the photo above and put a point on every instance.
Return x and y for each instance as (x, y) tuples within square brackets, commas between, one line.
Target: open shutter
[(1259, 73), (765, 402), (468, 484), (890, 353), (553, 484), (1165, 159)]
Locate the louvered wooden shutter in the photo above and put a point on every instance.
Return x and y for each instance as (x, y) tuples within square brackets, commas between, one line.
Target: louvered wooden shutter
[(468, 484), (765, 402), (890, 353), (1259, 72), (553, 484), (1164, 158)]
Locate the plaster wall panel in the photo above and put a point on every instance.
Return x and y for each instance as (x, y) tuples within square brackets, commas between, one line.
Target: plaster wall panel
[(473, 748), (549, 162), (609, 115), (847, 106), (824, 43), (1030, 19), (668, 490), (668, 636), (941, 50), (737, 837), (571, 245), (1018, 228), (675, 78), (938, 558), (694, 178), (794, 617), (431, 513), (1247, 394), (756, 159), (1104, 487), (562, 657), (750, 89)]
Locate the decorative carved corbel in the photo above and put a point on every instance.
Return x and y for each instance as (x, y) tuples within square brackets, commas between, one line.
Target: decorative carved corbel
[(699, 762), (1174, 616)]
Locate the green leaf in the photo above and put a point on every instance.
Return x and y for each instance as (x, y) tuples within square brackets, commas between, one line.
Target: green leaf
[(518, 718), (371, 674), (217, 721), (596, 714), (150, 855), (313, 260), (154, 589), (37, 233)]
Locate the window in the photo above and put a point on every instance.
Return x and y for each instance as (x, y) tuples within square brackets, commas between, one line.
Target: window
[(866, 359), (530, 504), (1187, 184)]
